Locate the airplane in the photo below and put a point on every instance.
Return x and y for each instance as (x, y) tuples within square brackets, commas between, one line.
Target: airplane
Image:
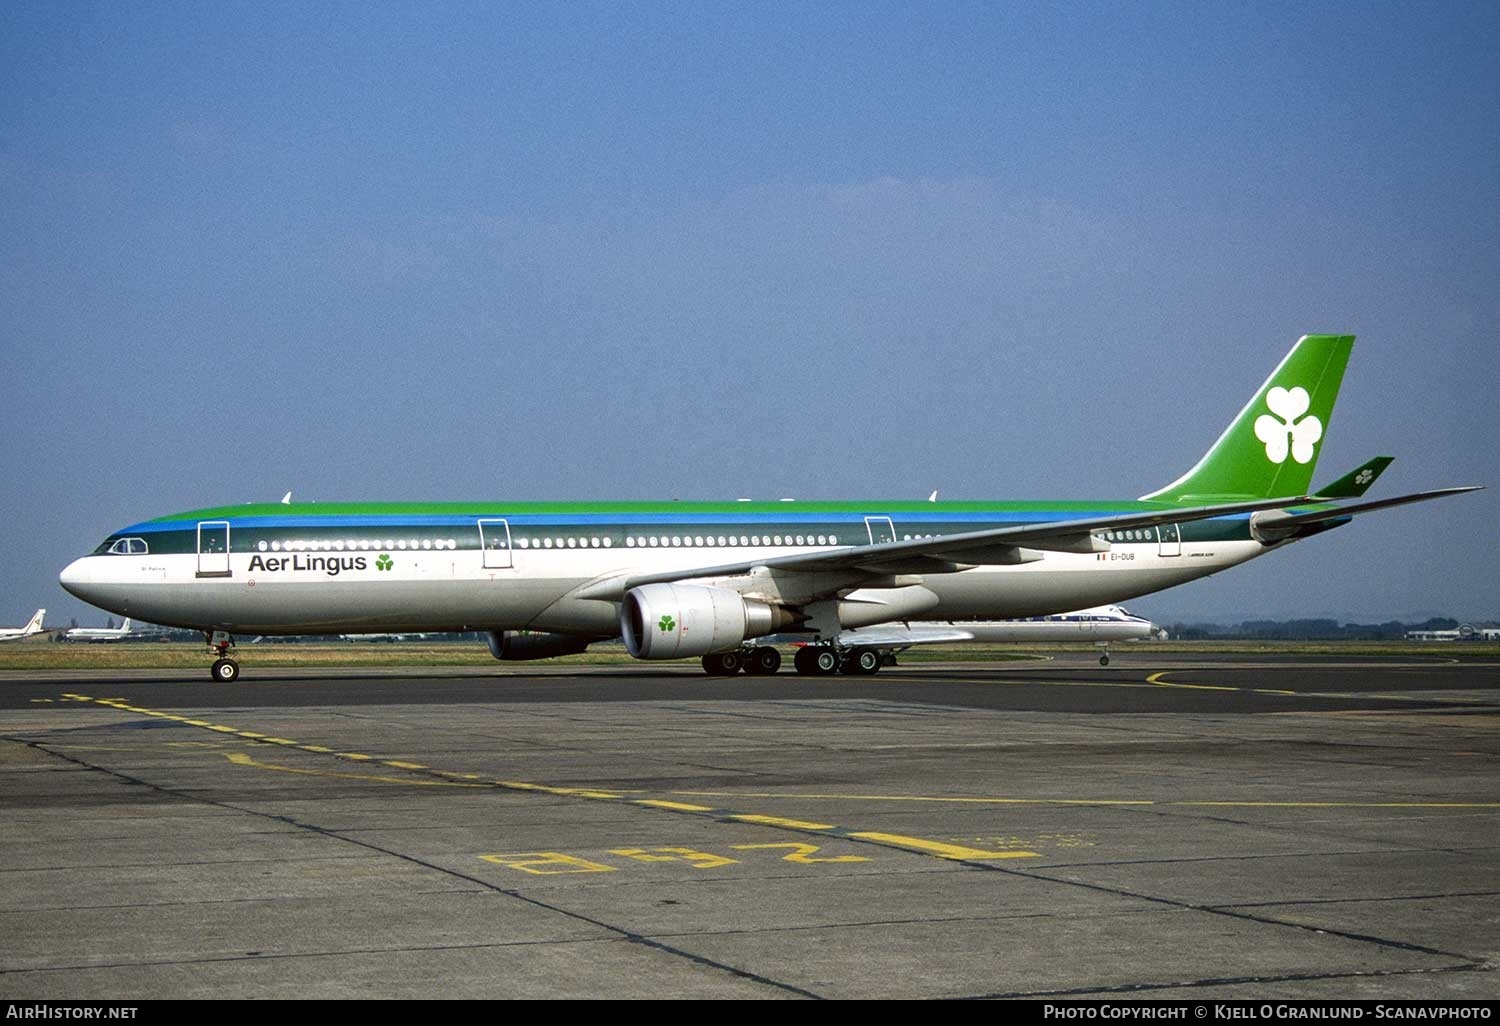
[(385, 636), (100, 634), (1099, 625), (33, 626), (709, 580)]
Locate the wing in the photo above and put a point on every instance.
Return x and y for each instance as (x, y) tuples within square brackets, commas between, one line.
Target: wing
[(946, 554)]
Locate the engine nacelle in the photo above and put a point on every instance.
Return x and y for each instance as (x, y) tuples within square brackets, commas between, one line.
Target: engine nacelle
[(522, 645), (670, 621)]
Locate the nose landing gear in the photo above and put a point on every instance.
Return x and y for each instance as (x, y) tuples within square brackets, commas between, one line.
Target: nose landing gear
[(224, 670)]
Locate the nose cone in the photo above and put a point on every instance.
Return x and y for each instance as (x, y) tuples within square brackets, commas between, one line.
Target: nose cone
[(76, 578)]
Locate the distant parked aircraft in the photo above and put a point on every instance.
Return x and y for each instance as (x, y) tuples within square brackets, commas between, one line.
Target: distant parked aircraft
[(383, 637), (119, 633), (34, 626)]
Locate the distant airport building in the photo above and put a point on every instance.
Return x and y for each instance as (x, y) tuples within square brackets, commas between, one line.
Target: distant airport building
[(1464, 632)]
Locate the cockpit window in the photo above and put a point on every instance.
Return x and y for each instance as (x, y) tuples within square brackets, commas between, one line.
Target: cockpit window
[(128, 547)]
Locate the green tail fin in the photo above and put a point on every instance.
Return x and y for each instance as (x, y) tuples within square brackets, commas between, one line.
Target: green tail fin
[(1358, 481), (1271, 448)]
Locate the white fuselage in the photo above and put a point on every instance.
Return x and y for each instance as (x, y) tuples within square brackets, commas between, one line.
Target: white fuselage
[(447, 589)]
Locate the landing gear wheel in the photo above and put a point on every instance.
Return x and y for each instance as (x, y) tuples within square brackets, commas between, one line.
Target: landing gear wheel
[(225, 671), (1104, 660), (825, 662), (763, 662), (803, 661), (723, 664), (863, 661)]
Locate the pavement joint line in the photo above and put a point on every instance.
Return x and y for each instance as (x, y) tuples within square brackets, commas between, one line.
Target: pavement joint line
[(921, 845)]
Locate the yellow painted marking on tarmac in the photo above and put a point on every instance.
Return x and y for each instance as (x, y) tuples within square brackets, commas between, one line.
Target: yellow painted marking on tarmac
[(277, 741), (931, 799), (696, 859), (200, 723), (404, 765), (548, 863), (222, 730), (316, 748), (1271, 691), (940, 849), (352, 755), (241, 759), (252, 735), (571, 792), (47, 700), (1155, 678), (802, 853), (675, 806), (795, 824)]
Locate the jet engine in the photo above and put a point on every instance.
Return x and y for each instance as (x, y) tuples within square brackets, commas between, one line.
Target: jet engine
[(521, 645), (669, 621)]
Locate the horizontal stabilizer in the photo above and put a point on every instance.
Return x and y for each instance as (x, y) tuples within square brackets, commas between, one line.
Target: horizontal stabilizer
[(1277, 525)]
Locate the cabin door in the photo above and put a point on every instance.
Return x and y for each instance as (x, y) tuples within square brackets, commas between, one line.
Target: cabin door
[(881, 529), (1171, 540), (213, 548), (494, 541)]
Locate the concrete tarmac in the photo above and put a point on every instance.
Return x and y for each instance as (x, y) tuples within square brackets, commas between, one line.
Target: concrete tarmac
[(1201, 828)]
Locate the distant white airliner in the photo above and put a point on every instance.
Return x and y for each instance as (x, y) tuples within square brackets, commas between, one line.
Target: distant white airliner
[(1099, 625), (711, 580), (101, 634), (33, 626), (383, 636)]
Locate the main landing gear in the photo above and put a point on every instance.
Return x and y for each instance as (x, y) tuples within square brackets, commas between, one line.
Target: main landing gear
[(810, 661), (757, 662), (225, 670)]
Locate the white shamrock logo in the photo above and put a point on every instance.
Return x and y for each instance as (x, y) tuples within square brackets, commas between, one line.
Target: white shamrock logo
[(1284, 431), (1364, 477)]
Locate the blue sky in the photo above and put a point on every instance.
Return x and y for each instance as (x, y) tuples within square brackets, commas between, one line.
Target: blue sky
[(575, 251)]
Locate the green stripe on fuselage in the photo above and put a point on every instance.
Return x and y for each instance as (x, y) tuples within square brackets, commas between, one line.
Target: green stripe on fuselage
[(1002, 510)]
